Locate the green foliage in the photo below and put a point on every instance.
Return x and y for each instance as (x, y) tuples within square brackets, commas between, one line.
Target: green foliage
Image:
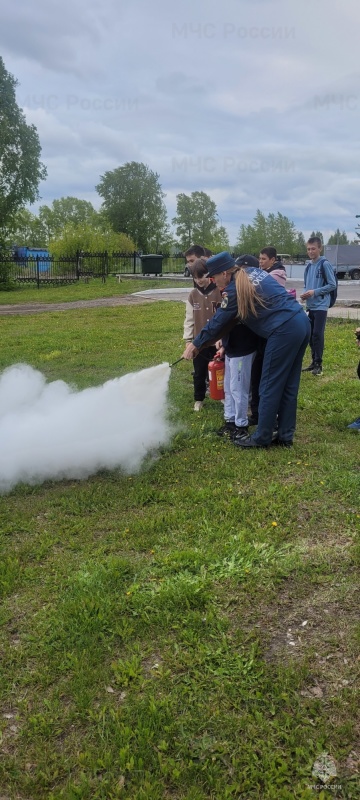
[(21, 168), (300, 244), (89, 238), (197, 222), (338, 237), (66, 211), (6, 284), (133, 203), (25, 229), (318, 234), (275, 230)]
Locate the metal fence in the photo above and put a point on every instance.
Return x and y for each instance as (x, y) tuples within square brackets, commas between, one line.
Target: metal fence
[(43, 270)]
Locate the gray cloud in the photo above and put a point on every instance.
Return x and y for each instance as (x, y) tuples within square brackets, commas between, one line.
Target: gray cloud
[(247, 101)]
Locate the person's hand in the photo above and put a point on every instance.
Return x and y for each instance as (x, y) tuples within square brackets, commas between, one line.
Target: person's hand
[(220, 351), (218, 344), (190, 352), (306, 295)]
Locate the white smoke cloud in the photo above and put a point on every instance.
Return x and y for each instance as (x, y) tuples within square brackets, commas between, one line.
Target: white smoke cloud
[(51, 431)]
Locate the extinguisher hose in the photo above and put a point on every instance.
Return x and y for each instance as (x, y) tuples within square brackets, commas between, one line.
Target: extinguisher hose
[(182, 359), (176, 362)]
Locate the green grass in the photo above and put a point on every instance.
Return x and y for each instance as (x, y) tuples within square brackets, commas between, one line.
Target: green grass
[(153, 639), (29, 293)]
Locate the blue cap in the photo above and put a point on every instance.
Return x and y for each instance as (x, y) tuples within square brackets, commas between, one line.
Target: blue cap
[(247, 261), (219, 263)]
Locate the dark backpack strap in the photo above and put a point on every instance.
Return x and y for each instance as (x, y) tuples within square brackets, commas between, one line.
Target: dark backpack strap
[(322, 269)]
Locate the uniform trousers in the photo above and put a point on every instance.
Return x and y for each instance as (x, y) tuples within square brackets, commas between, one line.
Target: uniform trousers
[(280, 379)]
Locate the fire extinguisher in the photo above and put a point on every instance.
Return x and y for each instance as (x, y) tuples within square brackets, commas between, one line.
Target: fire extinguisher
[(216, 378)]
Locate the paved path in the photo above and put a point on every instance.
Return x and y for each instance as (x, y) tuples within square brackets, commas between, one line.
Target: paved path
[(343, 311)]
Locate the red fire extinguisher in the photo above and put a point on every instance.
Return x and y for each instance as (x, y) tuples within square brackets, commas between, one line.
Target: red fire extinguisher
[(216, 378)]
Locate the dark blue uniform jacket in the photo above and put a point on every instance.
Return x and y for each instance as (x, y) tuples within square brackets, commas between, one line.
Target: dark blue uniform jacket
[(279, 307)]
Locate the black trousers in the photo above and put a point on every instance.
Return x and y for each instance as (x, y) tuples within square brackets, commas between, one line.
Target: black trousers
[(317, 337), (200, 373)]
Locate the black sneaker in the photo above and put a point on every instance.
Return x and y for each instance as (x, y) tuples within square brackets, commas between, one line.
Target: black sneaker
[(282, 442), (317, 369), (228, 429), (309, 368), (248, 441), (239, 433)]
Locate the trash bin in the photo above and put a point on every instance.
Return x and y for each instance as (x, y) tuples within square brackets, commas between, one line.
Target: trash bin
[(151, 264)]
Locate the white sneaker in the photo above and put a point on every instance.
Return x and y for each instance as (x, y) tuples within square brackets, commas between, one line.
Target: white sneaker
[(198, 405)]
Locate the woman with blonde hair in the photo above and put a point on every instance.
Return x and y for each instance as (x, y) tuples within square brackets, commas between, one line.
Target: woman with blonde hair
[(255, 299)]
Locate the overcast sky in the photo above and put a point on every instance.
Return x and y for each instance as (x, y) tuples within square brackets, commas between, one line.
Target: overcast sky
[(255, 102)]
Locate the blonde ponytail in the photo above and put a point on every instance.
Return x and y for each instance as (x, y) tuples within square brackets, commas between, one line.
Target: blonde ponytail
[(246, 295)]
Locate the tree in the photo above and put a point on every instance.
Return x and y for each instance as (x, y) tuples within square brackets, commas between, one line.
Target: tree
[(248, 241), (300, 244), (338, 238), (318, 234), (275, 229), (220, 240), (24, 228), (197, 222), (133, 203), (20, 167), (66, 211)]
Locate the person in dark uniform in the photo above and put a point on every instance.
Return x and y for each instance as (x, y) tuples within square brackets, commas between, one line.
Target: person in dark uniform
[(269, 311)]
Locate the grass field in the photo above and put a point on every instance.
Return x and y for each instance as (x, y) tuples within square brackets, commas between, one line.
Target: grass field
[(191, 631), (24, 293)]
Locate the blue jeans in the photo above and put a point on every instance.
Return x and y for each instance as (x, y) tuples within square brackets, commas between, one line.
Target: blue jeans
[(280, 379)]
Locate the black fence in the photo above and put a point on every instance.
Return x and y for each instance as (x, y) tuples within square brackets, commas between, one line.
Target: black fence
[(44, 270)]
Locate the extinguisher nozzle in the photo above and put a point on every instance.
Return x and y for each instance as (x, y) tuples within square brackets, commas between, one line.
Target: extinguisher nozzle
[(176, 362)]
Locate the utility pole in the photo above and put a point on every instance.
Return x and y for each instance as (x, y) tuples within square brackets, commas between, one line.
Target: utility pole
[(357, 229)]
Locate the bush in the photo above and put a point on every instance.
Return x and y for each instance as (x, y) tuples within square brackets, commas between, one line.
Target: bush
[(89, 239)]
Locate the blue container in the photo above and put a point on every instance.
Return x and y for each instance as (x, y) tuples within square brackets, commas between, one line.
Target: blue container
[(34, 254)]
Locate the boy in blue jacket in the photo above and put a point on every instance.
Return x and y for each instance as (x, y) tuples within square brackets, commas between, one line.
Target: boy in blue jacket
[(319, 283)]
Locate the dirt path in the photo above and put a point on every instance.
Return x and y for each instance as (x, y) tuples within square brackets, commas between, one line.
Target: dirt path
[(37, 308)]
